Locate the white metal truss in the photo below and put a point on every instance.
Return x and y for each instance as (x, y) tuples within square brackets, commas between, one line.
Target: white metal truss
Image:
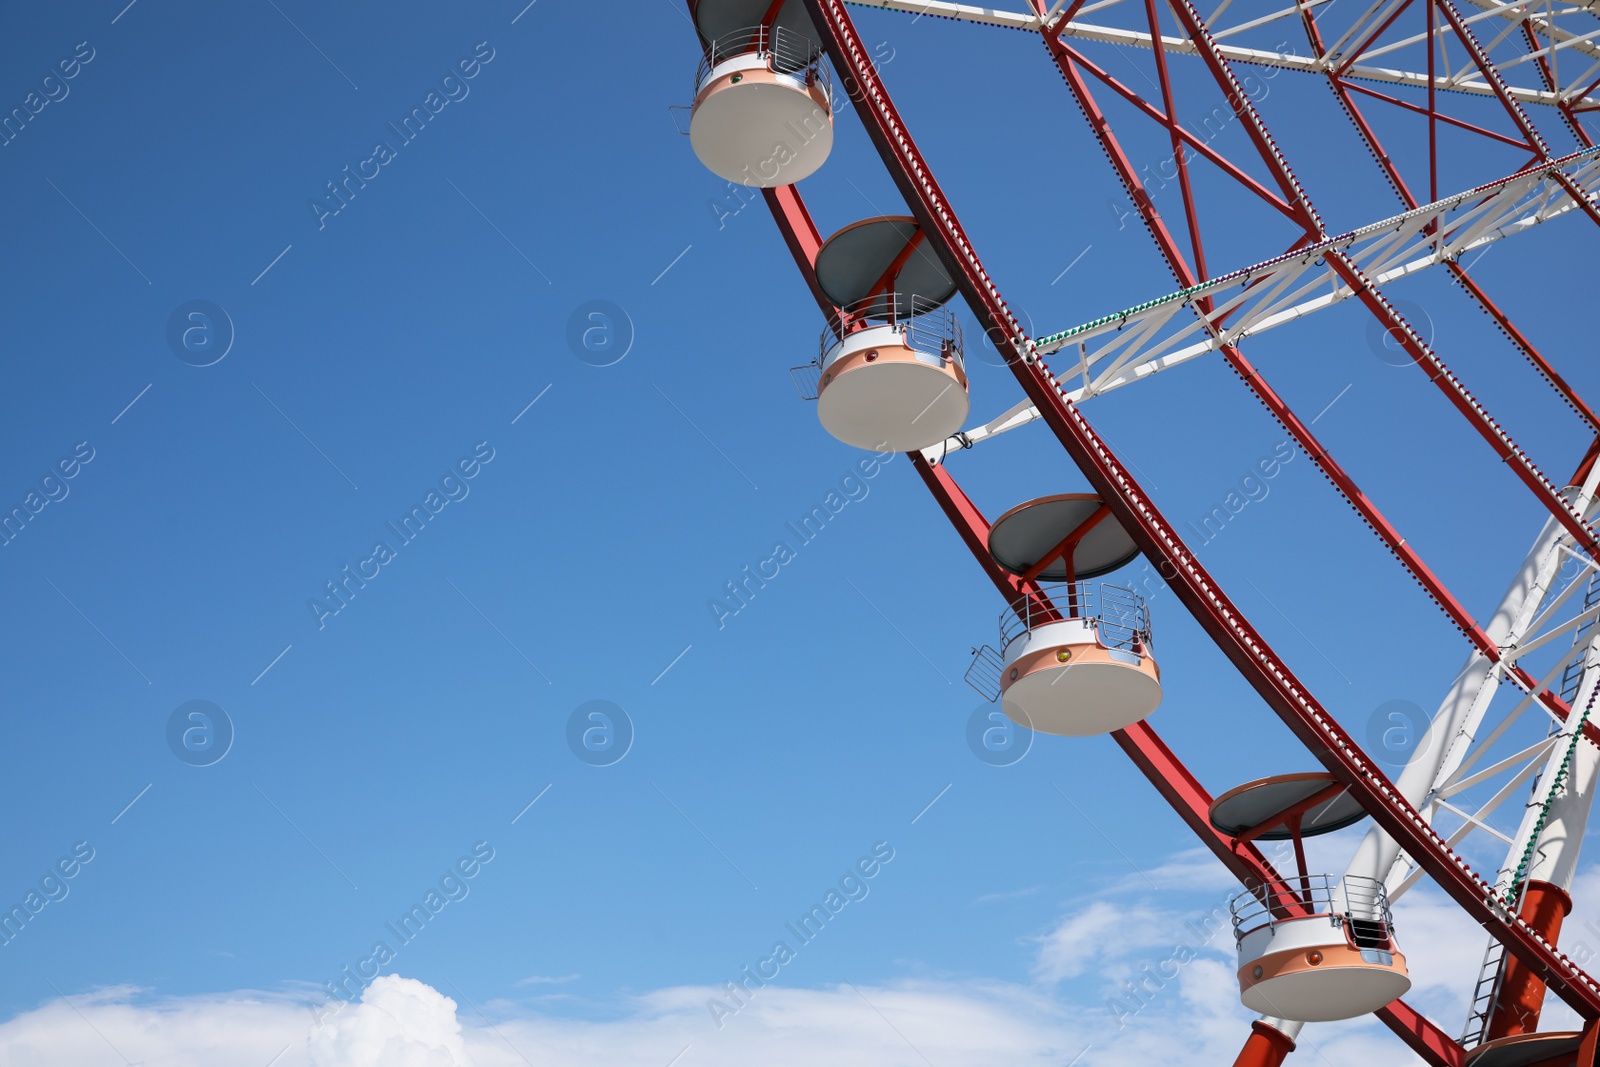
[(1129, 346), (1545, 846), (1568, 35), (1509, 777), (1277, 57), (1476, 795), (1442, 777)]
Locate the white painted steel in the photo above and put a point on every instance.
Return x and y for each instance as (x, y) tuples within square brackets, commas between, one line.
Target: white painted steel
[(1120, 349), (1077, 30)]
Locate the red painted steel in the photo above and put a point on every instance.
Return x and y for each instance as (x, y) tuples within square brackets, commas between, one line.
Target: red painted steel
[(1491, 74), (1268, 1047), (1342, 89), (1068, 61), (1423, 1038), (1521, 998), (1234, 635), (1367, 292), (1140, 742), (1143, 746)]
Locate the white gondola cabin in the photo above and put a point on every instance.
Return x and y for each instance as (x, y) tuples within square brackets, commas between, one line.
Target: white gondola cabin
[(762, 114), (1079, 664), (889, 374), (1317, 948), (892, 377), (1075, 658), (1313, 947)]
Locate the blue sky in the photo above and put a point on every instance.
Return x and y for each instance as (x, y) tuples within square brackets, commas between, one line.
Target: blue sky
[(376, 349)]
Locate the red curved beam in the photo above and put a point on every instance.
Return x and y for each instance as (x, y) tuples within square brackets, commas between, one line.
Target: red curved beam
[(1143, 746), (1068, 62), (1193, 585)]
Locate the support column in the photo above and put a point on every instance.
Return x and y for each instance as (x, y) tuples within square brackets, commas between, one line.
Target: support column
[(1521, 998), (1271, 1041), (1548, 842)]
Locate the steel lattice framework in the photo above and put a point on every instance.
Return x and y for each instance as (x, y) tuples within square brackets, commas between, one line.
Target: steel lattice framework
[(1474, 71)]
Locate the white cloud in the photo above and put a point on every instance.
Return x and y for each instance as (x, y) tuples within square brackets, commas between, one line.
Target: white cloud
[(541, 979), (408, 1024), (1191, 1016), (400, 1022), (1100, 933), (120, 1025), (1187, 871), (1196, 1019), (404, 1023)]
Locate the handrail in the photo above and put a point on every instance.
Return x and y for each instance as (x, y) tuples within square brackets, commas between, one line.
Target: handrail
[(785, 52), (926, 326), (1311, 896), (1120, 616)]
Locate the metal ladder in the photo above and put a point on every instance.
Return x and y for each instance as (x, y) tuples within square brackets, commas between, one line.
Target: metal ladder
[(1490, 974), (1573, 675), (1484, 995)]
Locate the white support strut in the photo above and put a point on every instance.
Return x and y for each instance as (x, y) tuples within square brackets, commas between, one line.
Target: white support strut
[(1258, 57), (1128, 346)]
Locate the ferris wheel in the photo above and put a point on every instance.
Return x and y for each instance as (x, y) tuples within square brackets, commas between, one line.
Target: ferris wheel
[(1508, 762)]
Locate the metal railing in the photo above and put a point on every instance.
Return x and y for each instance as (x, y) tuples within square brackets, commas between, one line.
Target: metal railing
[(1360, 905), (785, 52), (1120, 616), (807, 380), (926, 326), (984, 673)]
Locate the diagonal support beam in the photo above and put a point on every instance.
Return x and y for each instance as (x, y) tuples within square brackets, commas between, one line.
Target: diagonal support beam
[(1343, 90), (1192, 584), (1454, 390), (1082, 31), (1143, 746), (1394, 248), (1301, 433)]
